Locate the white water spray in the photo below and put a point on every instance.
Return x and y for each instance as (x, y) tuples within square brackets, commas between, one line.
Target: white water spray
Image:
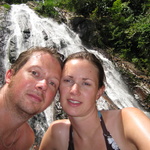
[(30, 30)]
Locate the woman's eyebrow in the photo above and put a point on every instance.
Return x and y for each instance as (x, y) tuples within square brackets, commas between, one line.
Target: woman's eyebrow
[(69, 76)]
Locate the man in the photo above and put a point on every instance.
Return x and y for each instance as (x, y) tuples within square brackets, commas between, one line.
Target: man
[(30, 87)]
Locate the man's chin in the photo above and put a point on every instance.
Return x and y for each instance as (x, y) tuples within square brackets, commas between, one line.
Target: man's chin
[(28, 113)]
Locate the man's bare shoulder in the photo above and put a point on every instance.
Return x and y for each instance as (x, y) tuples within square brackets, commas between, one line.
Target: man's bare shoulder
[(26, 137), (26, 129)]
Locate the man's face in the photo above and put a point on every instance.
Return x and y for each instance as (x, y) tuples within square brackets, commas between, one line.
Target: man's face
[(35, 85)]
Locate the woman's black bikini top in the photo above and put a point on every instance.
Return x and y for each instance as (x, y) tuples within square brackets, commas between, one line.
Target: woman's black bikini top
[(110, 143)]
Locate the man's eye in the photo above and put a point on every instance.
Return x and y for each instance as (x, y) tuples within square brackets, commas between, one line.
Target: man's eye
[(34, 73), (52, 83)]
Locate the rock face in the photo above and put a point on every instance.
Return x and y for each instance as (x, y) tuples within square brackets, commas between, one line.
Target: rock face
[(85, 28), (39, 125), (138, 82), (4, 23), (135, 79)]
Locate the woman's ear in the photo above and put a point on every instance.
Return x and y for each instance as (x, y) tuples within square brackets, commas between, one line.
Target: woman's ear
[(8, 75), (100, 92)]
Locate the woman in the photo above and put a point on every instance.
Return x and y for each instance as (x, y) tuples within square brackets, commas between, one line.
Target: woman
[(81, 85)]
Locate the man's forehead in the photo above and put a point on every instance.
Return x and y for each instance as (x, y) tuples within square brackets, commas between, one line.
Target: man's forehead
[(38, 57), (38, 54)]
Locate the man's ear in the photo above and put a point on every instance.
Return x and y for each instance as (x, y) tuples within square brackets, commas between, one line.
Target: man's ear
[(100, 92), (8, 75)]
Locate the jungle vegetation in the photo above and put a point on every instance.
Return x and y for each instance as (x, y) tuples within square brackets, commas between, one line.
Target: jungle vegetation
[(122, 26)]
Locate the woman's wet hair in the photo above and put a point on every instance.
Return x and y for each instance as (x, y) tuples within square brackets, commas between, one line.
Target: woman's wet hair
[(26, 55), (91, 58)]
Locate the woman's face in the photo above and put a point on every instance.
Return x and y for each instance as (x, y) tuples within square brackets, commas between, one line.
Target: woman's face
[(79, 87)]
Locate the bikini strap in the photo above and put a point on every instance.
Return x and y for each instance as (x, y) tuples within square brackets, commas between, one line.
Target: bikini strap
[(71, 145), (99, 114), (105, 131)]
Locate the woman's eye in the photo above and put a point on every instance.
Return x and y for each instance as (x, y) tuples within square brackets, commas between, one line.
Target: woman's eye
[(67, 80), (85, 83)]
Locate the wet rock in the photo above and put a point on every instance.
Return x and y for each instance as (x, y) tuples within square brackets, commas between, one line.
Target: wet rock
[(45, 35), (4, 23), (39, 125), (85, 28), (26, 33), (138, 81)]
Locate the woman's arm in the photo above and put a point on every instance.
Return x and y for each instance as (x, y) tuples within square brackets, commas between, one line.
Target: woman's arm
[(56, 136), (136, 127)]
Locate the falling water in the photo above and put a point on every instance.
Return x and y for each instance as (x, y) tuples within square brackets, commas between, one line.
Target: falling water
[(28, 30)]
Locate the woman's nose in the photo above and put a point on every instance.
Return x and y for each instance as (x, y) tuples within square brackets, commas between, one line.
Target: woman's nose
[(75, 89)]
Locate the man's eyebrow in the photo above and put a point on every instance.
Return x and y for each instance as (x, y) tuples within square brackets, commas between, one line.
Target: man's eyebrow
[(35, 66), (56, 78), (87, 79)]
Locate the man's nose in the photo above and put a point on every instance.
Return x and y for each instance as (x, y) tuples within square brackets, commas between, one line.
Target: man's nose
[(42, 84)]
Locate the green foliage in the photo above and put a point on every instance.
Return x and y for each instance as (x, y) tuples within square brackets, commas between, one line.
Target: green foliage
[(121, 25), (148, 100), (138, 6), (139, 34), (87, 7), (65, 4), (15, 1), (6, 6), (47, 9)]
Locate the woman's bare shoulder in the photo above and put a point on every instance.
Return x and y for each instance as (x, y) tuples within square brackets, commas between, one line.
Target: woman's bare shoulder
[(136, 126), (59, 127), (56, 136), (132, 112), (124, 113), (61, 122)]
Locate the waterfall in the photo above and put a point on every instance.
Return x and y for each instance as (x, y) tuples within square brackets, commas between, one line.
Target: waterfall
[(27, 29)]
